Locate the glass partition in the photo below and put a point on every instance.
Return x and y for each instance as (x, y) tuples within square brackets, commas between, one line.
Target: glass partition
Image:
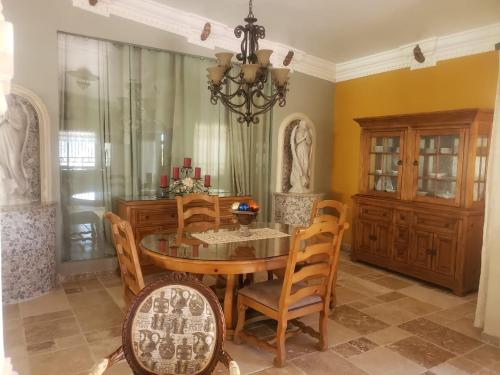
[(128, 115)]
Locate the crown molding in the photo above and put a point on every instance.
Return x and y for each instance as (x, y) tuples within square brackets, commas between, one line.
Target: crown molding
[(190, 25), (435, 49)]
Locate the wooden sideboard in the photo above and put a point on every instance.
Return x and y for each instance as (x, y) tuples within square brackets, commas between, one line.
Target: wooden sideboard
[(147, 216), (420, 209)]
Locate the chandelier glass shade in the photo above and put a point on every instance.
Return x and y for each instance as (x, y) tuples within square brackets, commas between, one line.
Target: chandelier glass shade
[(242, 88)]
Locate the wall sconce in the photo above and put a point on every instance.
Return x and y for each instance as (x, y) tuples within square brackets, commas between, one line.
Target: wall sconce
[(6, 59), (288, 58), (205, 33), (418, 54)]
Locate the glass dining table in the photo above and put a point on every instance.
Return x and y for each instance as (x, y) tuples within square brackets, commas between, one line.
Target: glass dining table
[(242, 255)]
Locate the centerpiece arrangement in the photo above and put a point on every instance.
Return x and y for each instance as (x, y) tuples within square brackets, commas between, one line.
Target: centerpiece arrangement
[(184, 182), (245, 213)]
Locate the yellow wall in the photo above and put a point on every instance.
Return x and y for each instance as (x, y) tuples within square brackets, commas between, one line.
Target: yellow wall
[(468, 82)]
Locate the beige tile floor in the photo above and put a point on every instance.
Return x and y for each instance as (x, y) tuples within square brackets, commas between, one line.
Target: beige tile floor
[(384, 324)]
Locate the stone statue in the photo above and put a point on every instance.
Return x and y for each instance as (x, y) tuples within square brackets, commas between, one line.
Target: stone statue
[(301, 145), (13, 134)]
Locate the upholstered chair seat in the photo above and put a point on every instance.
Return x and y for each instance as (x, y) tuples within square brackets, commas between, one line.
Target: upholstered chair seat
[(268, 294)]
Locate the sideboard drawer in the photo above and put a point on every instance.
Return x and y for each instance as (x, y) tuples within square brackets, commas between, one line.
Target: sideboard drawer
[(151, 217), (436, 222), (377, 213)]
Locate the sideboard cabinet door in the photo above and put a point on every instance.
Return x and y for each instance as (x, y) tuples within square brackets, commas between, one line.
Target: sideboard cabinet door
[(420, 253), (445, 248)]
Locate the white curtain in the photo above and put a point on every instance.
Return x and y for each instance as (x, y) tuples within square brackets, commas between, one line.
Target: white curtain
[(488, 306)]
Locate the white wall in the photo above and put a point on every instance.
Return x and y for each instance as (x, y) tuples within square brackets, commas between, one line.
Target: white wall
[(36, 23)]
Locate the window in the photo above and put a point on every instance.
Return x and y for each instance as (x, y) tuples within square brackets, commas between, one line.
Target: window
[(77, 150)]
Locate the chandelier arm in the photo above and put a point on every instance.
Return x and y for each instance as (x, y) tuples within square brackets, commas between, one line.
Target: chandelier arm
[(232, 107), (264, 96), (227, 99), (267, 98), (236, 79), (238, 92), (264, 110)]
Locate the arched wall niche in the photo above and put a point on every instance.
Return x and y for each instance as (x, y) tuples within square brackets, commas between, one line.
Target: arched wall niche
[(284, 152)]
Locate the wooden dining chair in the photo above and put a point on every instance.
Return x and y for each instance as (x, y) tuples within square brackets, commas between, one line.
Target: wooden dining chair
[(330, 210), (303, 291), (174, 326), (197, 218), (128, 258)]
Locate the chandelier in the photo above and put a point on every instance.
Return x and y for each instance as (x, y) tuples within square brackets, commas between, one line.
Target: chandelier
[(242, 89)]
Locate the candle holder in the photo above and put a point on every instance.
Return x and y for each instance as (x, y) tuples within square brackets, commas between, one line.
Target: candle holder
[(163, 192), (185, 184), (186, 172)]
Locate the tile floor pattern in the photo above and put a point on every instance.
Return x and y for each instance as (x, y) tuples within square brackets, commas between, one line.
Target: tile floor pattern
[(385, 324)]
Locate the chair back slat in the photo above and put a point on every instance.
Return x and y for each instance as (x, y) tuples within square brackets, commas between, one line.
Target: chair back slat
[(126, 251), (308, 291), (199, 211), (313, 271), (184, 214), (321, 211), (312, 250)]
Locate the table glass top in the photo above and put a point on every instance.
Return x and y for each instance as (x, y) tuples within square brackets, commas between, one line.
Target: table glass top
[(188, 247)]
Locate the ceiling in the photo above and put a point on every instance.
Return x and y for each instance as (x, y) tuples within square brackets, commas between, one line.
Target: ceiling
[(341, 30)]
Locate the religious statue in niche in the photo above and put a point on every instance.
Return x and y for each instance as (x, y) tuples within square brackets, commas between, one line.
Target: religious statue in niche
[(13, 139), (301, 147)]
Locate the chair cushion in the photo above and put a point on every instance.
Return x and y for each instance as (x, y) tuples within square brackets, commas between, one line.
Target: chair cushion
[(268, 293), (174, 331)]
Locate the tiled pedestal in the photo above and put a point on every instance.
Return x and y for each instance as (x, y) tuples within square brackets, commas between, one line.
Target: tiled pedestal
[(28, 241), (294, 209)]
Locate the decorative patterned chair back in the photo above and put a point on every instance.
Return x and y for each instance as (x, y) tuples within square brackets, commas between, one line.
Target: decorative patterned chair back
[(191, 212), (128, 258), (314, 250), (318, 216), (175, 326)]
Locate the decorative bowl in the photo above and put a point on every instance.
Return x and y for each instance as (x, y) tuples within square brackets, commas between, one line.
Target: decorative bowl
[(245, 218)]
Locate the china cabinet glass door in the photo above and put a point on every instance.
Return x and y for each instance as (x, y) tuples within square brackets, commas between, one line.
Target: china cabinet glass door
[(438, 166), (384, 163)]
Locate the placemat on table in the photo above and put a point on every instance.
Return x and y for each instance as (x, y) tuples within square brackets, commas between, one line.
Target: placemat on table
[(215, 238)]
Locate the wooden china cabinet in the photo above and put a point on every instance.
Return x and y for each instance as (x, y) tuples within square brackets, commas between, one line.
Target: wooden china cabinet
[(420, 209)]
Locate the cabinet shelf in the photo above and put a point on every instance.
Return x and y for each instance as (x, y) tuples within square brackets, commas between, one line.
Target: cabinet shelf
[(445, 178), (383, 174), (435, 154)]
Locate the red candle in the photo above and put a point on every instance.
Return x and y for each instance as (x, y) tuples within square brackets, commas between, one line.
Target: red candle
[(197, 173), (207, 180), (163, 245), (164, 181), (176, 173), (187, 162)]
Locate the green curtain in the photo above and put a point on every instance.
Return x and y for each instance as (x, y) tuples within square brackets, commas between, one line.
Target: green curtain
[(144, 110), (251, 157)]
